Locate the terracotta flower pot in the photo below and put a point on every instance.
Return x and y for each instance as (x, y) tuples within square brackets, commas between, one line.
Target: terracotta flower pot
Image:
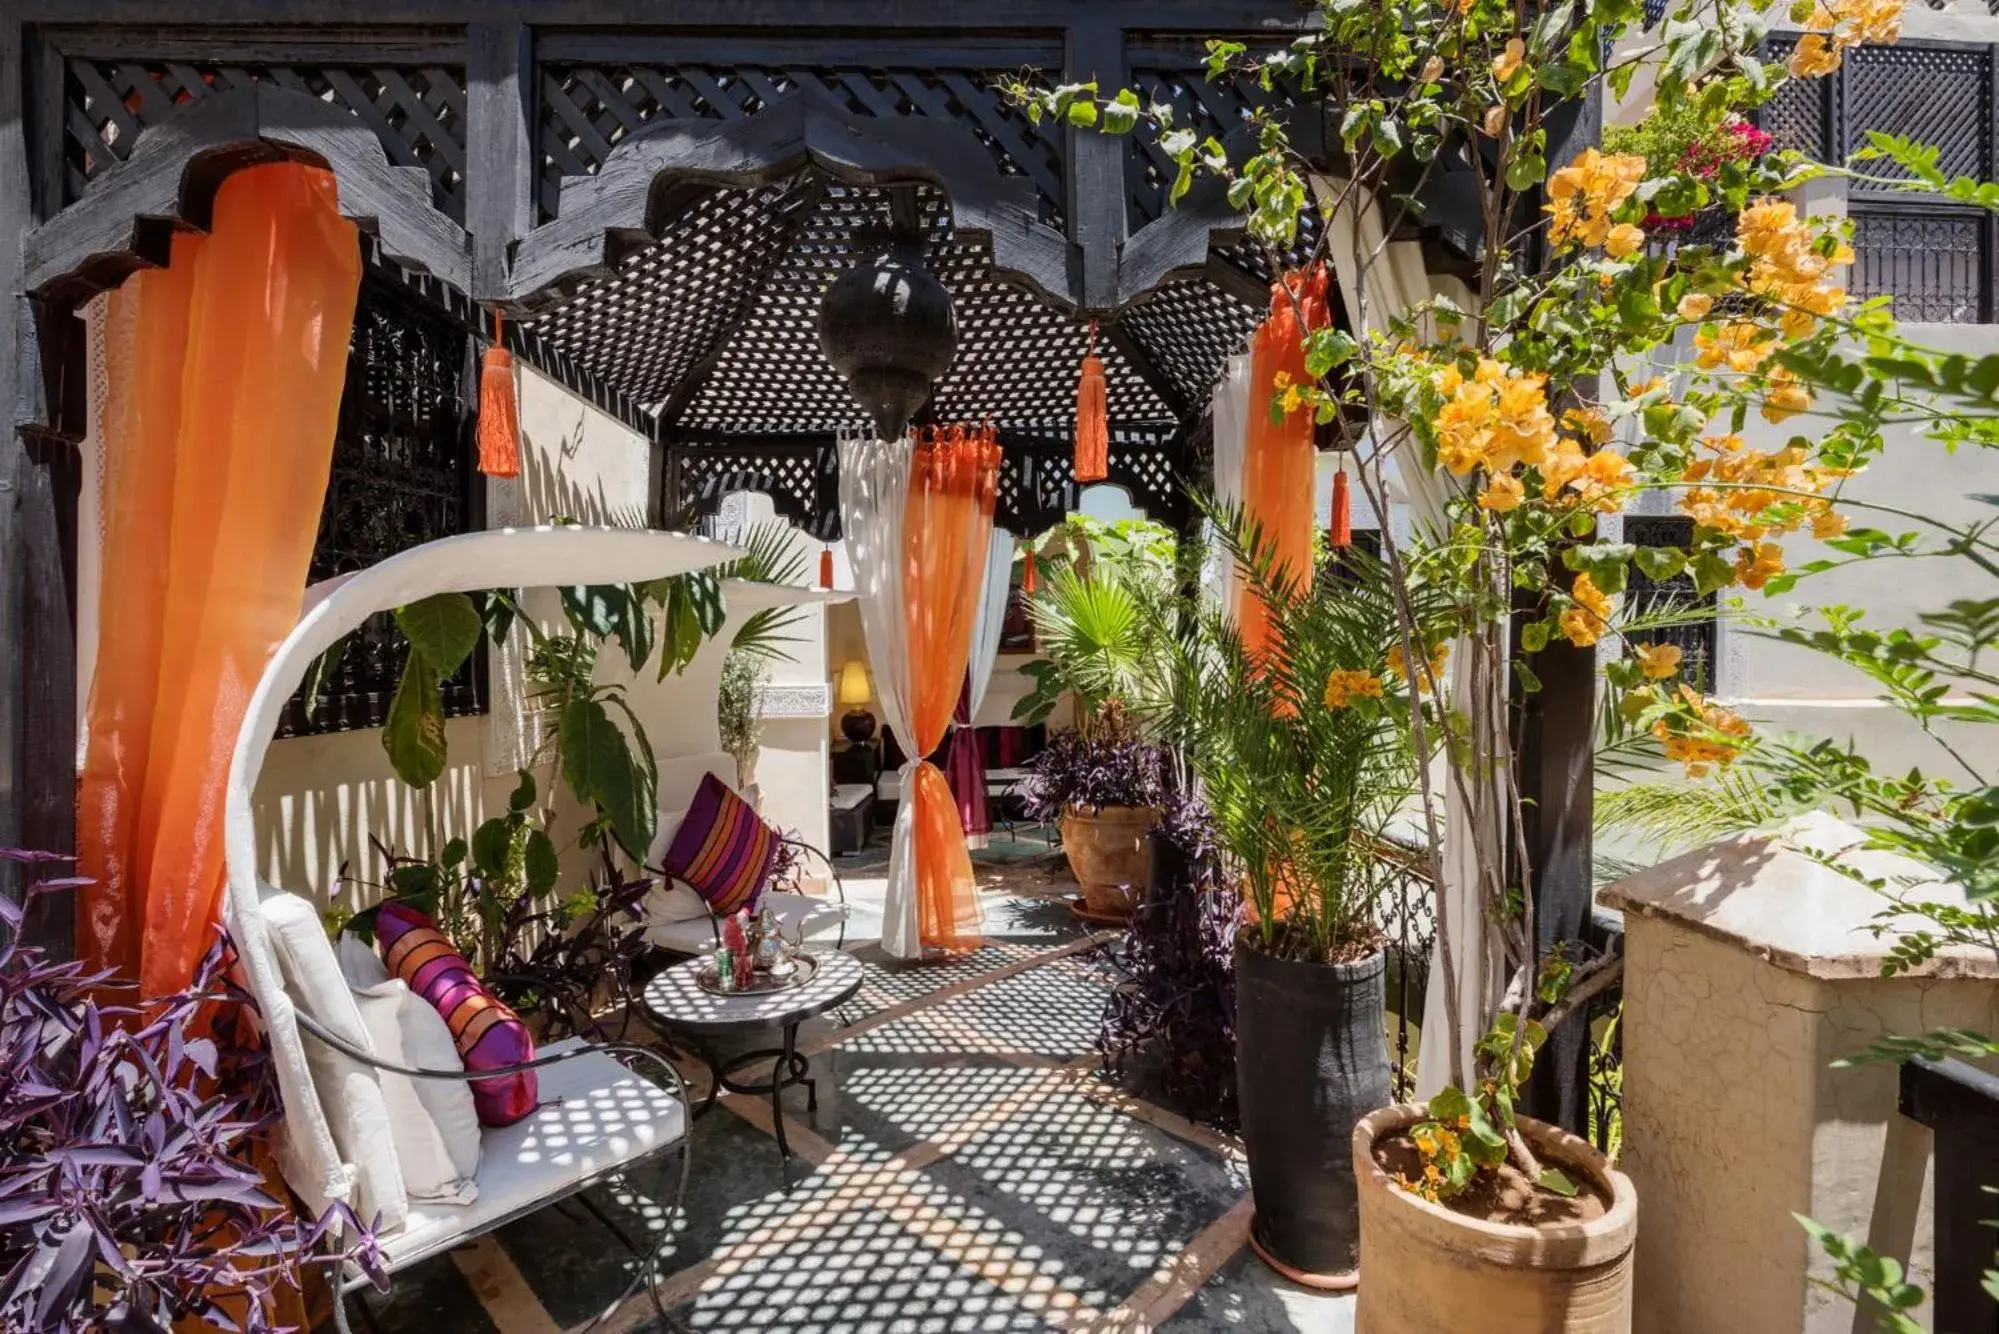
[(1425, 1268), (1109, 854)]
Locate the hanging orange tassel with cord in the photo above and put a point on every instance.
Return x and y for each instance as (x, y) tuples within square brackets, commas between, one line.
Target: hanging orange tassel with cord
[(1028, 581), (499, 417), (826, 568), (1341, 527), (1093, 433)]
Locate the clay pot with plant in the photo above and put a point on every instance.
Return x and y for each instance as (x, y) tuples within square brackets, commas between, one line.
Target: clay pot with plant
[(1104, 621), (1481, 1218), (1103, 789), (1301, 745)]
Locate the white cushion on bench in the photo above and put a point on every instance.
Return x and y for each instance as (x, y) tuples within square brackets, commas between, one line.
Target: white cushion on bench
[(594, 1115), (849, 796), (821, 917), (889, 786)]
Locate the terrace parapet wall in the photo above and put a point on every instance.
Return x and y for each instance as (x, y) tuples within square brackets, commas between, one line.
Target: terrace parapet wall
[(1752, 966)]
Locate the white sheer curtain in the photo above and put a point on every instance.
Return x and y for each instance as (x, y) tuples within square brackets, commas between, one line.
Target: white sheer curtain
[(1231, 419), (1395, 281), (986, 624), (874, 499)]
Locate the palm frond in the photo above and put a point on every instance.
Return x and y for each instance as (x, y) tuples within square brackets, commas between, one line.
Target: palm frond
[(774, 556)]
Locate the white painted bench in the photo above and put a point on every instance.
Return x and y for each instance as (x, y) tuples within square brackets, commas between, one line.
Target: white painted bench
[(596, 1117)]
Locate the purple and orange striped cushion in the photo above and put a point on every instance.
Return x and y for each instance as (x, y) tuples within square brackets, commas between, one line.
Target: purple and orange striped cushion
[(722, 848), (487, 1034)]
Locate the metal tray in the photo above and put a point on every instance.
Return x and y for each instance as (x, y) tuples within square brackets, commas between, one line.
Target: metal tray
[(761, 983)]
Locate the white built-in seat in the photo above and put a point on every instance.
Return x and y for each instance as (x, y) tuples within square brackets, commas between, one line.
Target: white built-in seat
[(594, 1116)]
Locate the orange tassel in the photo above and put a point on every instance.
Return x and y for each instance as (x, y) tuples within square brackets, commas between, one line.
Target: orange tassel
[(826, 568), (1028, 583), (499, 417), (1093, 435), (1342, 526)]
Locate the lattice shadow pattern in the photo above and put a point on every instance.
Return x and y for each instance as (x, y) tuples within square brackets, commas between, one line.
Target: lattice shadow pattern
[(588, 109), (417, 111)]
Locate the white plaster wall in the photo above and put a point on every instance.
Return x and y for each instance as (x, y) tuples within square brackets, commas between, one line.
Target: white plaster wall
[(1786, 688), (320, 799)]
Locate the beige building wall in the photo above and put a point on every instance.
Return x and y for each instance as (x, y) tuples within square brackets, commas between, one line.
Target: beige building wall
[(1751, 968)]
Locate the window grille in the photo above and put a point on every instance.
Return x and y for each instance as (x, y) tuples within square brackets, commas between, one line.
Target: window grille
[(1938, 261), (1650, 597), (403, 474)]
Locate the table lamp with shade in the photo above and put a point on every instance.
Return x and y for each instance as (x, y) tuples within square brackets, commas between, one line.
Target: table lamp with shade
[(856, 724)]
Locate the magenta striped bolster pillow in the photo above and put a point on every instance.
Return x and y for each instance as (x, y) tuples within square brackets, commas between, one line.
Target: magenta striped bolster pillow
[(722, 849), (486, 1032)]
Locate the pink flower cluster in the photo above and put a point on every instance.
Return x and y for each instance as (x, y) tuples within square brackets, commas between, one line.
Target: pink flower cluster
[(1739, 142)]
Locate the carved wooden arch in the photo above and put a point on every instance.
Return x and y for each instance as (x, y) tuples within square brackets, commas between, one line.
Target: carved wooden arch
[(127, 217), (624, 200)]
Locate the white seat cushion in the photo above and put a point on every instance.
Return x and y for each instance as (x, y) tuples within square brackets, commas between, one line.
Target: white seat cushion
[(850, 796), (821, 918), (350, 1092), (594, 1116), (889, 786), (433, 1122)]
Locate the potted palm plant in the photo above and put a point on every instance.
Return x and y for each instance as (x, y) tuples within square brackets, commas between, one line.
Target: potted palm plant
[(1104, 623), (1303, 755)]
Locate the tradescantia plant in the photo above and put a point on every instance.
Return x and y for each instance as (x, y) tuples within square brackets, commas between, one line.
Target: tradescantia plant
[(1075, 771), (129, 1199), (1173, 1012)]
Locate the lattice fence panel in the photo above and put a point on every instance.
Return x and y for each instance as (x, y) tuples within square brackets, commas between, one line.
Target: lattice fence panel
[(1932, 262), (1796, 116), (649, 326), (588, 109), (402, 475), (1940, 96), (418, 112), (1189, 328)]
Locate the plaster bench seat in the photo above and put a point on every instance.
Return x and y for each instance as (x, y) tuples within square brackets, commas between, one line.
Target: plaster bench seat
[(822, 920), (595, 1116)]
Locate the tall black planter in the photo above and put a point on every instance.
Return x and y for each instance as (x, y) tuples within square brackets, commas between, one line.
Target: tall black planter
[(1311, 1060)]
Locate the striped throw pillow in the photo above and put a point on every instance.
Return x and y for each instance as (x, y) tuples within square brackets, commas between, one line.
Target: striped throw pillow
[(722, 849), (487, 1034)]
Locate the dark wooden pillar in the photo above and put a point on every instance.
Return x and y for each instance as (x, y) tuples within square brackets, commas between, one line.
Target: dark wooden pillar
[(15, 216), (1094, 49), (499, 148), (41, 387), (1556, 736)]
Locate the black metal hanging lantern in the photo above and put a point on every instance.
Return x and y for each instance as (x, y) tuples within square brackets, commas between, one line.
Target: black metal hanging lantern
[(888, 326)]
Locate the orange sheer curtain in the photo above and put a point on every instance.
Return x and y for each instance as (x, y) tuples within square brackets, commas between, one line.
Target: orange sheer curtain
[(218, 441), (1278, 469), (948, 519)]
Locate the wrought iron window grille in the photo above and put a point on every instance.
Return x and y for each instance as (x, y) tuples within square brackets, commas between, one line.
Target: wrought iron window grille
[(403, 474)]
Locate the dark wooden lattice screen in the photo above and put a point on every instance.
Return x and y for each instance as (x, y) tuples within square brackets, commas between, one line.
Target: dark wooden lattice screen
[(1939, 261), (589, 107), (417, 111), (403, 473), (1660, 597)]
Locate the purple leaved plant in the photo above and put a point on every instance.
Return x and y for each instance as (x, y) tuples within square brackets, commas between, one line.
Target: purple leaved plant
[(1169, 1024), (1091, 773), (128, 1198)]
